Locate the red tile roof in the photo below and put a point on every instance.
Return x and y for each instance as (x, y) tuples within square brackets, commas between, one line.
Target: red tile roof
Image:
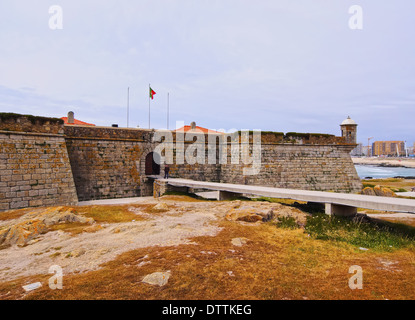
[(204, 130), (77, 122)]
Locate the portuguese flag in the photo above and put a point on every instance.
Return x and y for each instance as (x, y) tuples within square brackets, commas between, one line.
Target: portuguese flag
[(152, 93)]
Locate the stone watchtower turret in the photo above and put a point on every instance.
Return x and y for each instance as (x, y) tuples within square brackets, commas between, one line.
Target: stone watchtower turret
[(349, 130)]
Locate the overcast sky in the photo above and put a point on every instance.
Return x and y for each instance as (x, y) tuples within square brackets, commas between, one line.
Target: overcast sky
[(292, 65)]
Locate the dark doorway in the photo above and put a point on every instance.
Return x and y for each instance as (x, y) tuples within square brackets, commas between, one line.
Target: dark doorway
[(152, 168)]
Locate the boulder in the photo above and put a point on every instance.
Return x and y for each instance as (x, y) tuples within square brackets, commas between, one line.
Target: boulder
[(68, 216), (22, 233), (378, 191), (161, 207), (388, 192), (249, 214), (157, 278), (384, 192), (239, 242), (368, 191)]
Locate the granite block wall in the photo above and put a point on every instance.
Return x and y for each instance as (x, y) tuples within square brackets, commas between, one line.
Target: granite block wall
[(34, 165), (43, 162)]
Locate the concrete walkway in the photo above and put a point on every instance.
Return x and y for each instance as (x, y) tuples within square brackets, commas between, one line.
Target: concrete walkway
[(120, 201), (343, 200), (406, 194)]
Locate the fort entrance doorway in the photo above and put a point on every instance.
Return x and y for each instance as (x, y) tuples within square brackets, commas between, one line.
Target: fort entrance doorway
[(152, 164)]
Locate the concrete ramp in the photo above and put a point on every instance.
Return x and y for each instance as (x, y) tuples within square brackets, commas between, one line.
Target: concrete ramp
[(336, 203)]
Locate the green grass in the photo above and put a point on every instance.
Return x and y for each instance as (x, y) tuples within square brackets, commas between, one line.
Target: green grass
[(376, 235), (286, 223), (310, 207)]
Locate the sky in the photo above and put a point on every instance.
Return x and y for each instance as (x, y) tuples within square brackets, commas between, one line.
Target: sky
[(293, 65)]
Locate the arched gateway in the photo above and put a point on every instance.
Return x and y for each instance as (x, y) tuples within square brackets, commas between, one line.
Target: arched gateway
[(152, 167)]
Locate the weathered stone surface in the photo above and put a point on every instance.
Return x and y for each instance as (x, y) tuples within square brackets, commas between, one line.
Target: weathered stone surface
[(37, 223), (52, 218), (368, 191), (22, 233), (162, 206), (45, 161), (76, 253), (157, 278), (379, 191), (388, 192), (93, 228), (36, 171), (239, 242), (249, 214)]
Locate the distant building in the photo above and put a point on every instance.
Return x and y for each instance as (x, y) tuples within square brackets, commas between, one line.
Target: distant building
[(193, 127), (388, 148), (70, 120), (358, 151)]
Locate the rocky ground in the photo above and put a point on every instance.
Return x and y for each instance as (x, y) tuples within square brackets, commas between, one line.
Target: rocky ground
[(178, 247), (39, 238)]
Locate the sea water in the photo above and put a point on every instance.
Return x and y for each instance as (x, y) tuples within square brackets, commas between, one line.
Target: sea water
[(377, 172)]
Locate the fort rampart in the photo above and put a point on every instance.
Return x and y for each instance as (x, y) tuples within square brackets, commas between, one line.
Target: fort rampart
[(44, 162)]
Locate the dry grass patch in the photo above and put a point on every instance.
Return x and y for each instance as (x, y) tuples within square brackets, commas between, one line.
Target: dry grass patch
[(109, 214), (183, 198), (13, 214), (275, 263), (395, 184)]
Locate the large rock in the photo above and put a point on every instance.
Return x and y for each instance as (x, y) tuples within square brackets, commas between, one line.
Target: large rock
[(368, 191), (239, 242), (249, 214), (64, 217), (384, 192), (157, 278), (37, 223), (22, 233), (388, 192), (162, 206)]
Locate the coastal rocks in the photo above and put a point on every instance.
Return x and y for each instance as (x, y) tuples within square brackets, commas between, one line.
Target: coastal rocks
[(368, 191), (250, 214), (379, 191)]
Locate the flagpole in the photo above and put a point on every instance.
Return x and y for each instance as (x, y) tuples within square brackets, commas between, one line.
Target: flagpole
[(128, 106), (149, 88), (168, 101)]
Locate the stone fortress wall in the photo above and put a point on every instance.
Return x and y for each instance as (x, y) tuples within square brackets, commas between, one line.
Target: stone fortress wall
[(34, 163), (44, 162)]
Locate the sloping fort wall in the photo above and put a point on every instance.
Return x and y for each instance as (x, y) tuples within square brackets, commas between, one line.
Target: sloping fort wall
[(34, 163), (43, 162)]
